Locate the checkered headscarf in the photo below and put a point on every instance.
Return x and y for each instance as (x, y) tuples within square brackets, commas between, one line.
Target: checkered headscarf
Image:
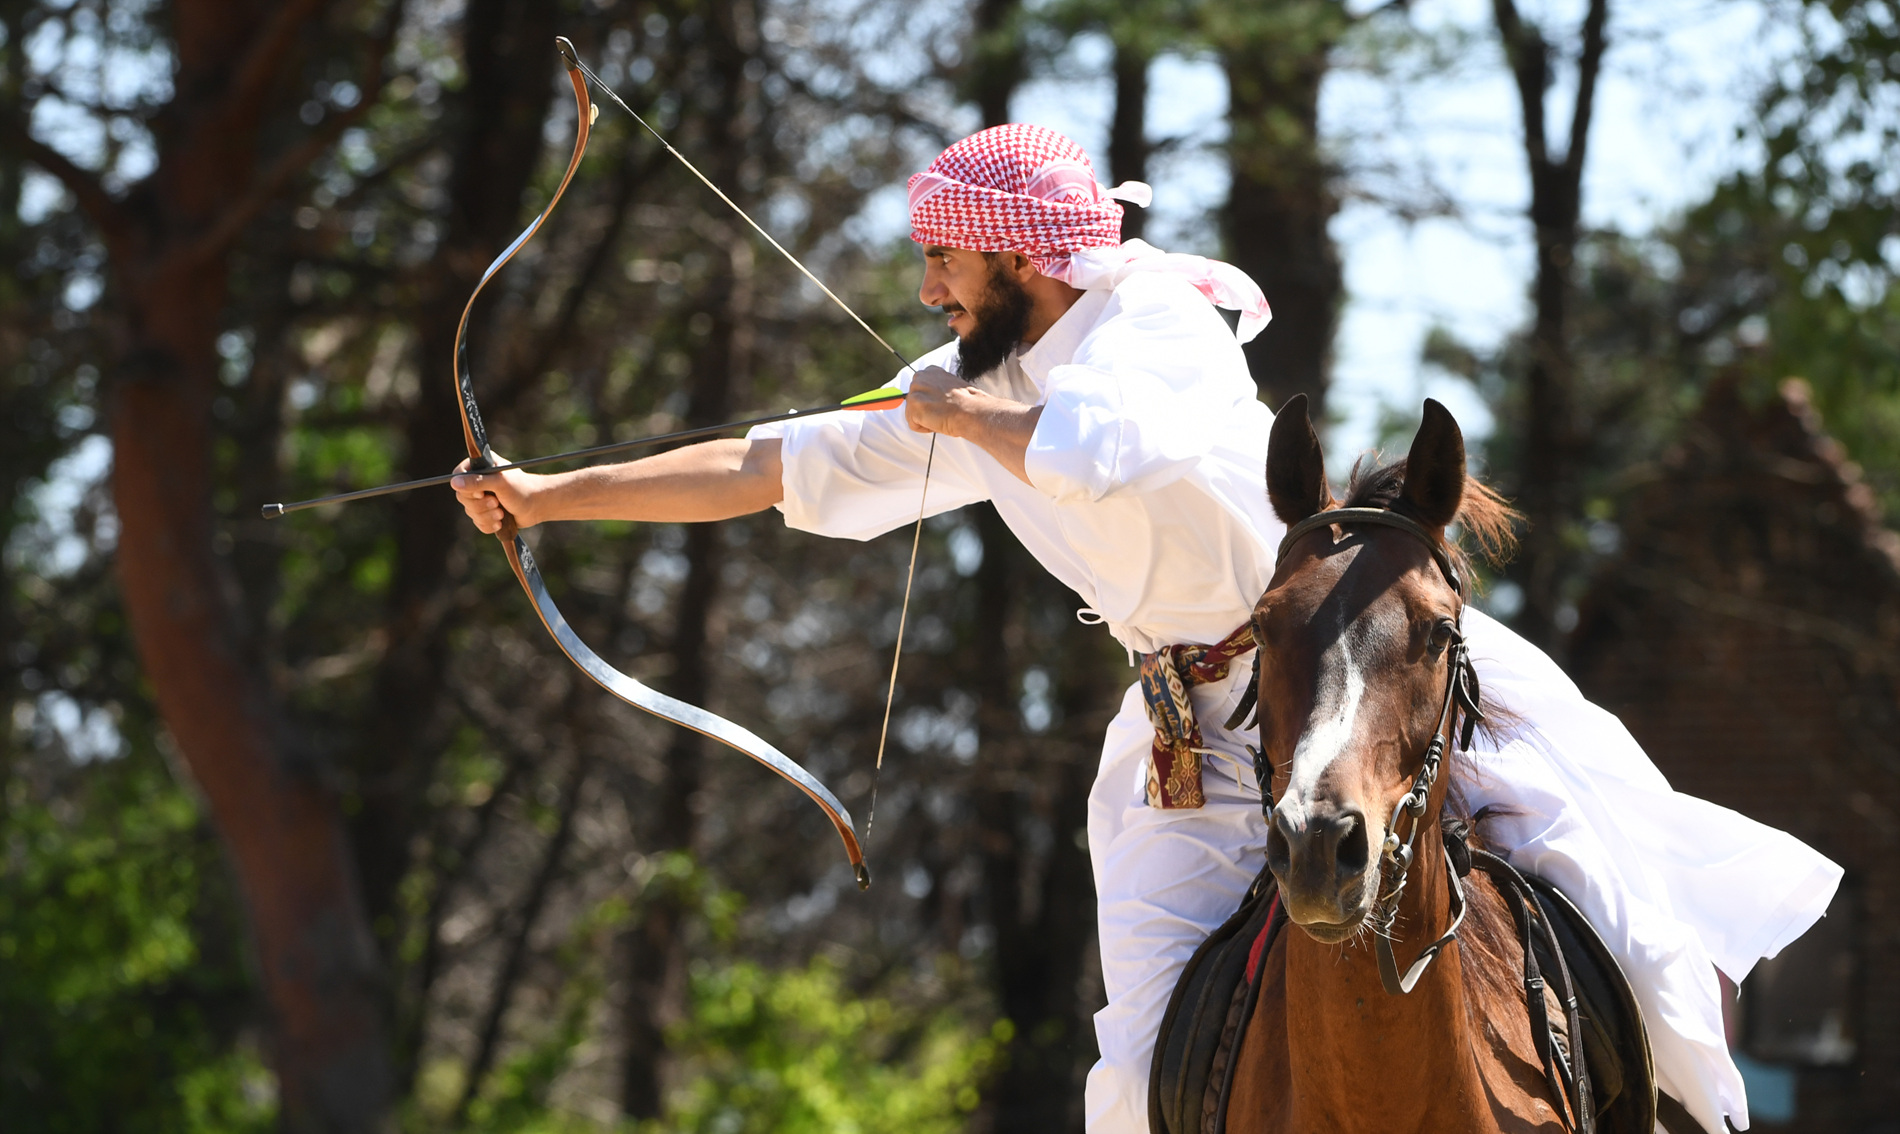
[(1028, 189)]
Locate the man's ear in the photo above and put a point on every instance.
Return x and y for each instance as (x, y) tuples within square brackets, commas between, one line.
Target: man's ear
[(1017, 265), (1296, 471)]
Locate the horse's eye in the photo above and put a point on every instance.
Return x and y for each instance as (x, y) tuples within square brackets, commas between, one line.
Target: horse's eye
[(1442, 633)]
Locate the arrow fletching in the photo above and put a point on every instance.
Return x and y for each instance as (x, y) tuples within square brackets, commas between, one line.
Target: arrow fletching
[(883, 398)]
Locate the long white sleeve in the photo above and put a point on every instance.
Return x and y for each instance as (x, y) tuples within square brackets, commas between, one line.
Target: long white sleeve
[(1143, 402)]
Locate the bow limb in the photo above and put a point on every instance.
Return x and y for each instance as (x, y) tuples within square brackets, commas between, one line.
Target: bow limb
[(521, 559), (679, 712)]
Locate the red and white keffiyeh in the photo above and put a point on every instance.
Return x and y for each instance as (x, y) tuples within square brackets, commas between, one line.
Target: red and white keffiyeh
[(1028, 189)]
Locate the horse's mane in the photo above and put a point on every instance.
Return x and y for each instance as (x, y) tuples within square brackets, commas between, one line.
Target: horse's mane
[(1483, 515)]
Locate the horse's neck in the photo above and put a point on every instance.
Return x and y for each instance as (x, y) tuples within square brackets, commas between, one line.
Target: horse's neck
[(1360, 1055)]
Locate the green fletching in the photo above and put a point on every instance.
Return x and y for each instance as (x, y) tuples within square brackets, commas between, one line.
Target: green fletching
[(871, 398)]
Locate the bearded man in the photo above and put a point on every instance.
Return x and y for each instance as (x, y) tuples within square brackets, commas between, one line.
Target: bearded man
[(1095, 396)]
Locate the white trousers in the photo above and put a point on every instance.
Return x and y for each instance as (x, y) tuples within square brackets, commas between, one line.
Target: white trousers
[(1677, 886)]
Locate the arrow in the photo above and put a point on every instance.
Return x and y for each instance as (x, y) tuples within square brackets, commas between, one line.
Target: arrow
[(885, 398)]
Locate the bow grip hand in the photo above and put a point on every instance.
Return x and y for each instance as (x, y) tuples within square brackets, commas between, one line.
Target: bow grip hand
[(495, 501)]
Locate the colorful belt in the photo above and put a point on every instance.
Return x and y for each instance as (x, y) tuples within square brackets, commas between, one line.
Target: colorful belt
[(1174, 771)]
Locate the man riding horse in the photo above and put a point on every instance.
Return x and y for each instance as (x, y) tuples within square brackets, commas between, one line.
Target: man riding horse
[(1095, 396)]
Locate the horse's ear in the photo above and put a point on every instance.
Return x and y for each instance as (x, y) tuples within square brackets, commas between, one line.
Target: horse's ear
[(1435, 469), (1296, 472)]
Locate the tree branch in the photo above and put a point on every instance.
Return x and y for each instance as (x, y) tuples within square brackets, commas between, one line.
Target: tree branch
[(1529, 58), (234, 220), (1589, 66), (105, 213), (1382, 9), (265, 58), (635, 174), (452, 867)]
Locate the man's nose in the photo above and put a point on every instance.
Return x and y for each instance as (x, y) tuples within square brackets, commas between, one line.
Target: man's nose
[(931, 292)]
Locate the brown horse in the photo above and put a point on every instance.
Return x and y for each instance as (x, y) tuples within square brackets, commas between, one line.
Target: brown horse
[(1361, 656)]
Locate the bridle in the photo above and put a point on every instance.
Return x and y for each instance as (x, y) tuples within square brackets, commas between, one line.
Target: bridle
[(1461, 694)]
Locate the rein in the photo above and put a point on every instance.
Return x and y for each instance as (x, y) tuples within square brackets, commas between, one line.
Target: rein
[(1461, 693)]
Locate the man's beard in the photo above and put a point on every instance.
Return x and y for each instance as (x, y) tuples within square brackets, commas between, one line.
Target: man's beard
[(1002, 319)]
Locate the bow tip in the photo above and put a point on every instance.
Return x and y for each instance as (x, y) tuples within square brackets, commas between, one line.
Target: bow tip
[(864, 876), (566, 47)]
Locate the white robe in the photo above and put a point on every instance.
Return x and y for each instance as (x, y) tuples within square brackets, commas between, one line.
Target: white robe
[(1147, 498)]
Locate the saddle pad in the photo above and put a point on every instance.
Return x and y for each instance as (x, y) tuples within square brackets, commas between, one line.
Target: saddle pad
[(1207, 1015)]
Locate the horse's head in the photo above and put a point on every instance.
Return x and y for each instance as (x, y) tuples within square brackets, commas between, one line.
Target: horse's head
[(1356, 630)]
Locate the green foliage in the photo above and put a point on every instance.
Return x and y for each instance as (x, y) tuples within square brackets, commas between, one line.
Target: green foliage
[(1849, 354), (114, 1015), (763, 1049), (516, 1099), (796, 1050), (1786, 270), (1801, 254)]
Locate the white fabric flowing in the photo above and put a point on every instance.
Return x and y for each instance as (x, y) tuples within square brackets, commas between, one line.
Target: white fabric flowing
[(1678, 886), (1223, 284)]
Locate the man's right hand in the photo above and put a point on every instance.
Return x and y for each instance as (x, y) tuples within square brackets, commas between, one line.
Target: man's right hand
[(490, 498)]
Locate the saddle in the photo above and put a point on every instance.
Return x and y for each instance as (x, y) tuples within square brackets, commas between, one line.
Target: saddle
[(1194, 1059)]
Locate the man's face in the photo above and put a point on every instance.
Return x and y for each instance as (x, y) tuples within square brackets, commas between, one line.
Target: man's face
[(989, 309)]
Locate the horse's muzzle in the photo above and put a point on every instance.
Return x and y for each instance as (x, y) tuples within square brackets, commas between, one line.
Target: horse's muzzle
[(1321, 856)]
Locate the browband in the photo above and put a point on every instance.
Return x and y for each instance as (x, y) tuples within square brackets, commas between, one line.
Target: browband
[(1374, 516)]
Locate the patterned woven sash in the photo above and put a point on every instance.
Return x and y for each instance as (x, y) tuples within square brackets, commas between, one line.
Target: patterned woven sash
[(1174, 771)]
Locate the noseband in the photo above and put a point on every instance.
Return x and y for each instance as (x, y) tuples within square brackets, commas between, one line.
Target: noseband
[(1461, 693)]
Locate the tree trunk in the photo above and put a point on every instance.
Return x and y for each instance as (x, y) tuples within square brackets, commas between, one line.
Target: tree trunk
[(1552, 437), (278, 819), (1282, 196), (509, 57), (1128, 145), (999, 62), (1037, 884), (656, 952)]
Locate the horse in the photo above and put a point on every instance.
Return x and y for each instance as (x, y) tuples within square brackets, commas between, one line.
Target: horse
[(1363, 680)]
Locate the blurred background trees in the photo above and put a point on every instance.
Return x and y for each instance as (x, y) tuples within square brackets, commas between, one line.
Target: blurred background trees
[(306, 825)]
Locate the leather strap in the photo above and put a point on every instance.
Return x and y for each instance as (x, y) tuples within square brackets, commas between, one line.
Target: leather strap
[(1569, 1077), (1399, 985), (1381, 516)]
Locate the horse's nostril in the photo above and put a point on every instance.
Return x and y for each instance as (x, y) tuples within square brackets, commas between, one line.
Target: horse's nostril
[(1353, 851), (1279, 850)]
